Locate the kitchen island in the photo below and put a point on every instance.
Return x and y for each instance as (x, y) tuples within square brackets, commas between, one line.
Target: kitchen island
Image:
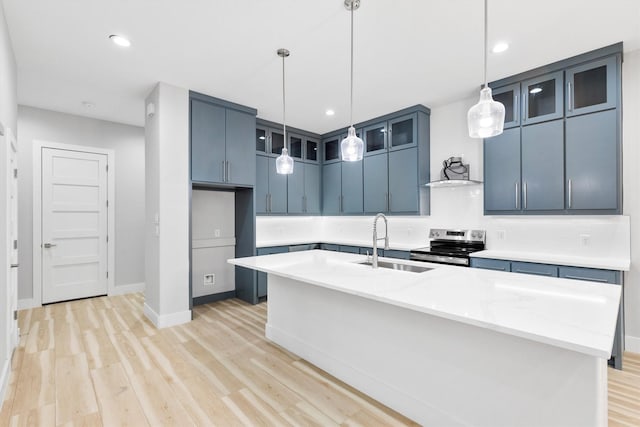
[(451, 345)]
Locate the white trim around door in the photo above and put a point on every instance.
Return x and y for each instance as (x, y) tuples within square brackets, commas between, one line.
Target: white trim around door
[(38, 146)]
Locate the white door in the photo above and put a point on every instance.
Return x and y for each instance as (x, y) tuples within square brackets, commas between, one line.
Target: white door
[(74, 224), (12, 290)]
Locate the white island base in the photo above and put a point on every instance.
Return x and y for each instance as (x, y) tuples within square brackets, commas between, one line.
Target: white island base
[(436, 371)]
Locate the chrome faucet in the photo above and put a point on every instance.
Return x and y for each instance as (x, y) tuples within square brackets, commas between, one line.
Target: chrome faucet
[(374, 262)]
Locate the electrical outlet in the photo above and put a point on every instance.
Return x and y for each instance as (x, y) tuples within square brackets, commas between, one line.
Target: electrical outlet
[(585, 239), (209, 279), (502, 234), (216, 232)]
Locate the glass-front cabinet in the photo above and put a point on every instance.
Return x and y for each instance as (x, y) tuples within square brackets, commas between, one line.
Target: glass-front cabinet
[(311, 149), (375, 138), (509, 96), (331, 149), (402, 132), (542, 98), (261, 140), (592, 87), (295, 145)]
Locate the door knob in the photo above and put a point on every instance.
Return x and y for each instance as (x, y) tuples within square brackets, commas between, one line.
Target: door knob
[(49, 245)]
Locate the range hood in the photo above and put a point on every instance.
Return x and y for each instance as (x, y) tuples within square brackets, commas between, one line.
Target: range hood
[(454, 173)]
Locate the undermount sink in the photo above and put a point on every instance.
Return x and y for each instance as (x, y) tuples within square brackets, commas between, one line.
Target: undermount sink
[(398, 266)]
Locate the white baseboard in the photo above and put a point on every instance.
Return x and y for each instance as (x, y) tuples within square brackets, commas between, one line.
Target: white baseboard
[(4, 379), (632, 344), (24, 304), (167, 320), (127, 289)]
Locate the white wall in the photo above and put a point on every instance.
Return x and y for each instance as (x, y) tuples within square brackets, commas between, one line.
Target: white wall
[(128, 144), (8, 114), (167, 207), (631, 189), (462, 207)]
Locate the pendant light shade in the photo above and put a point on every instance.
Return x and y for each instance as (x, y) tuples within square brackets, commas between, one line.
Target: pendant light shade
[(486, 118), (352, 147), (284, 162)]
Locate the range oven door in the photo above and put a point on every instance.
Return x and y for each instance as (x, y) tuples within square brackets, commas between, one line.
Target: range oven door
[(440, 259)]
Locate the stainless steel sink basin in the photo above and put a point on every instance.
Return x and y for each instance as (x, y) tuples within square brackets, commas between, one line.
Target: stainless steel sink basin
[(398, 266)]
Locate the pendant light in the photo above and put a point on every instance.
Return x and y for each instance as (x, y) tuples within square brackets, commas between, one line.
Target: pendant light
[(284, 162), (351, 147), (486, 118)]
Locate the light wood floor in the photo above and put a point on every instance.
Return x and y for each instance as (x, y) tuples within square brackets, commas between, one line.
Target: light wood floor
[(100, 362)]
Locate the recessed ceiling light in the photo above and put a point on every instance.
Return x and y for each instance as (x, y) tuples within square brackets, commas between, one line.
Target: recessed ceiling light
[(87, 104), (120, 40), (535, 90), (500, 47), (330, 113)]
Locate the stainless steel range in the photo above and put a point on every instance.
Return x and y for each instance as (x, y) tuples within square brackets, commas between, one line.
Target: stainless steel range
[(450, 246)]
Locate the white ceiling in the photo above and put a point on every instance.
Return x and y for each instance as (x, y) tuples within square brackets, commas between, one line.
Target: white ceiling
[(406, 51)]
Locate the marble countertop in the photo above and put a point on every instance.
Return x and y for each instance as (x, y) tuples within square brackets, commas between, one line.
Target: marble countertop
[(559, 259), (572, 314)]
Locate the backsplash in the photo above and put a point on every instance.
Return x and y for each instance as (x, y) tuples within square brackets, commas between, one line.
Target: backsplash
[(604, 236)]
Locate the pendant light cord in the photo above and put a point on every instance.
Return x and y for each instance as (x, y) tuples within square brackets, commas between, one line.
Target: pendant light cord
[(486, 13), (351, 101), (284, 110)]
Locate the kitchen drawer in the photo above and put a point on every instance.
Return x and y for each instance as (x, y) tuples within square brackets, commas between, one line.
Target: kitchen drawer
[(590, 274), (491, 264), (392, 253), (350, 249), (298, 248), (329, 247), (534, 268)]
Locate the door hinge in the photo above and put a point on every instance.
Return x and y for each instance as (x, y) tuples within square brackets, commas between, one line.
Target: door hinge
[(107, 274), (107, 167), (15, 244), (15, 173), (15, 314), (107, 203), (107, 238)]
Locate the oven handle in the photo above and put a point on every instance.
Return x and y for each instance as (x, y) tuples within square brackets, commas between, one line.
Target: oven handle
[(439, 259)]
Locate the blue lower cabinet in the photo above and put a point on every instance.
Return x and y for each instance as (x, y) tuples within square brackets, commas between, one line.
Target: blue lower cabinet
[(491, 264), (262, 277), (392, 253), (369, 251), (534, 268), (590, 274), (350, 249), (329, 247)]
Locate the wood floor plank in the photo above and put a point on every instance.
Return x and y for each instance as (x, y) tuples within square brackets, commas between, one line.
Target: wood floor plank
[(41, 336), (75, 397), (35, 386), (99, 348), (116, 398), (158, 401), (44, 416)]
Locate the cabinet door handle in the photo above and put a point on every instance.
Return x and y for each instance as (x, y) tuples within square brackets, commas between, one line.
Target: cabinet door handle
[(304, 204), (386, 201), (341, 203), (524, 193), (228, 171), (48, 245), (224, 170), (517, 106), (517, 196), (389, 208), (570, 195), (524, 109), (569, 97)]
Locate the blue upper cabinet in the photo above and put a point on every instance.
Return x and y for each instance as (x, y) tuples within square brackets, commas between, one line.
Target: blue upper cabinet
[(543, 166), (509, 96), (592, 87), (593, 163), (331, 149), (222, 139), (376, 177), (207, 142), (303, 189), (542, 98), (352, 191), (564, 155), (332, 188), (271, 188), (403, 181), (312, 186), (502, 190)]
